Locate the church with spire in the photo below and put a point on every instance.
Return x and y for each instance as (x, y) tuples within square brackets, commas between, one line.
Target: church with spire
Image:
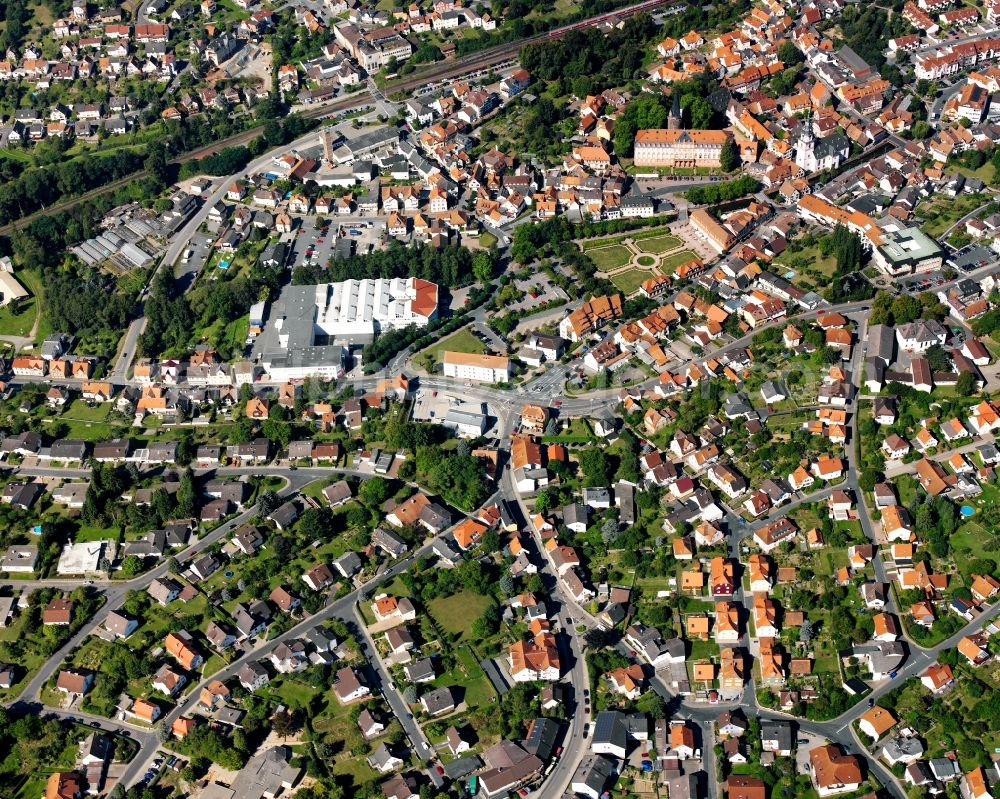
[(675, 121), (815, 155)]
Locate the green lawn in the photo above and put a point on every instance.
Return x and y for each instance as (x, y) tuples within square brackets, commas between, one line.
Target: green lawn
[(457, 612), (21, 322), (940, 213), (972, 541), (629, 282), (907, 488), (468, 676), (671, 262), (577, 432), (87, 431), (459, 341), (80, 411), (85, 534), (608, 258), (985, 173), (603, 241), (809, 264), (292, 692), (827, 561), (703, 650), (659, 244)]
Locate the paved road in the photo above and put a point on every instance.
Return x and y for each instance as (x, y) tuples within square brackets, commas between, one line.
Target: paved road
[(114, 593), (345, 610), (145, 737), (389, 690)]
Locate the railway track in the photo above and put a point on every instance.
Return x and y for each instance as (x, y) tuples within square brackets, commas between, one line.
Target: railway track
[(478, 61)]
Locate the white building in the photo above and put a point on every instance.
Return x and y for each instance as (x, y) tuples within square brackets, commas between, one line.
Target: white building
[(481, 368), (313, 324)]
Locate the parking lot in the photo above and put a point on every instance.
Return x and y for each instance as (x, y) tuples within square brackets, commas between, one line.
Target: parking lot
[(312, 245), (538, 290), (972, 257), (926, 282), (366, 232), (188, 266)]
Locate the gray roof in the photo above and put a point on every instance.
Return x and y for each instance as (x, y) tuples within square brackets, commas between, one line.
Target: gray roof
[(440, 700), (419, 669), (881, 343), (610, 728), (575, 514), (457, 769), (595, 771), (541, 739), (780, 731), (899, 747), (348, 564)]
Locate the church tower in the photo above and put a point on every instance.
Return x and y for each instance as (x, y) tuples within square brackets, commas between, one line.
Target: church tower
[(805, 148), (675, 121)]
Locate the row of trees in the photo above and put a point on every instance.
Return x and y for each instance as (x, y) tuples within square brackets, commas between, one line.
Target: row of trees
[(38, 188), (890, 310), (389, 344), (447, 266), (725, 191)]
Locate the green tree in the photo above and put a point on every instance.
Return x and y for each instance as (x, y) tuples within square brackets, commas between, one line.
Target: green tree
[(278, 433), (699, 111), (868, 479), (186, 496), (938, 359), (482, 267), (905, 308), (789, 54), (729, 156), (373, 491), (487, 624), (966, 385), (316, 522), (652, 704), (645, 112), (132, 566), (596, 466)]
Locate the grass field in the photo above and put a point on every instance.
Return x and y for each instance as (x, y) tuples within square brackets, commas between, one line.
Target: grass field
[(86, 534), (940, 213), (87, 431), (607, 258), (605, 241), (457, 612), (459, 341), (470, 676), (659, 244), (80, 411), (671, 262), (806, 263), (21, 322), (971, 542), (18, 323), (628, 282)]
